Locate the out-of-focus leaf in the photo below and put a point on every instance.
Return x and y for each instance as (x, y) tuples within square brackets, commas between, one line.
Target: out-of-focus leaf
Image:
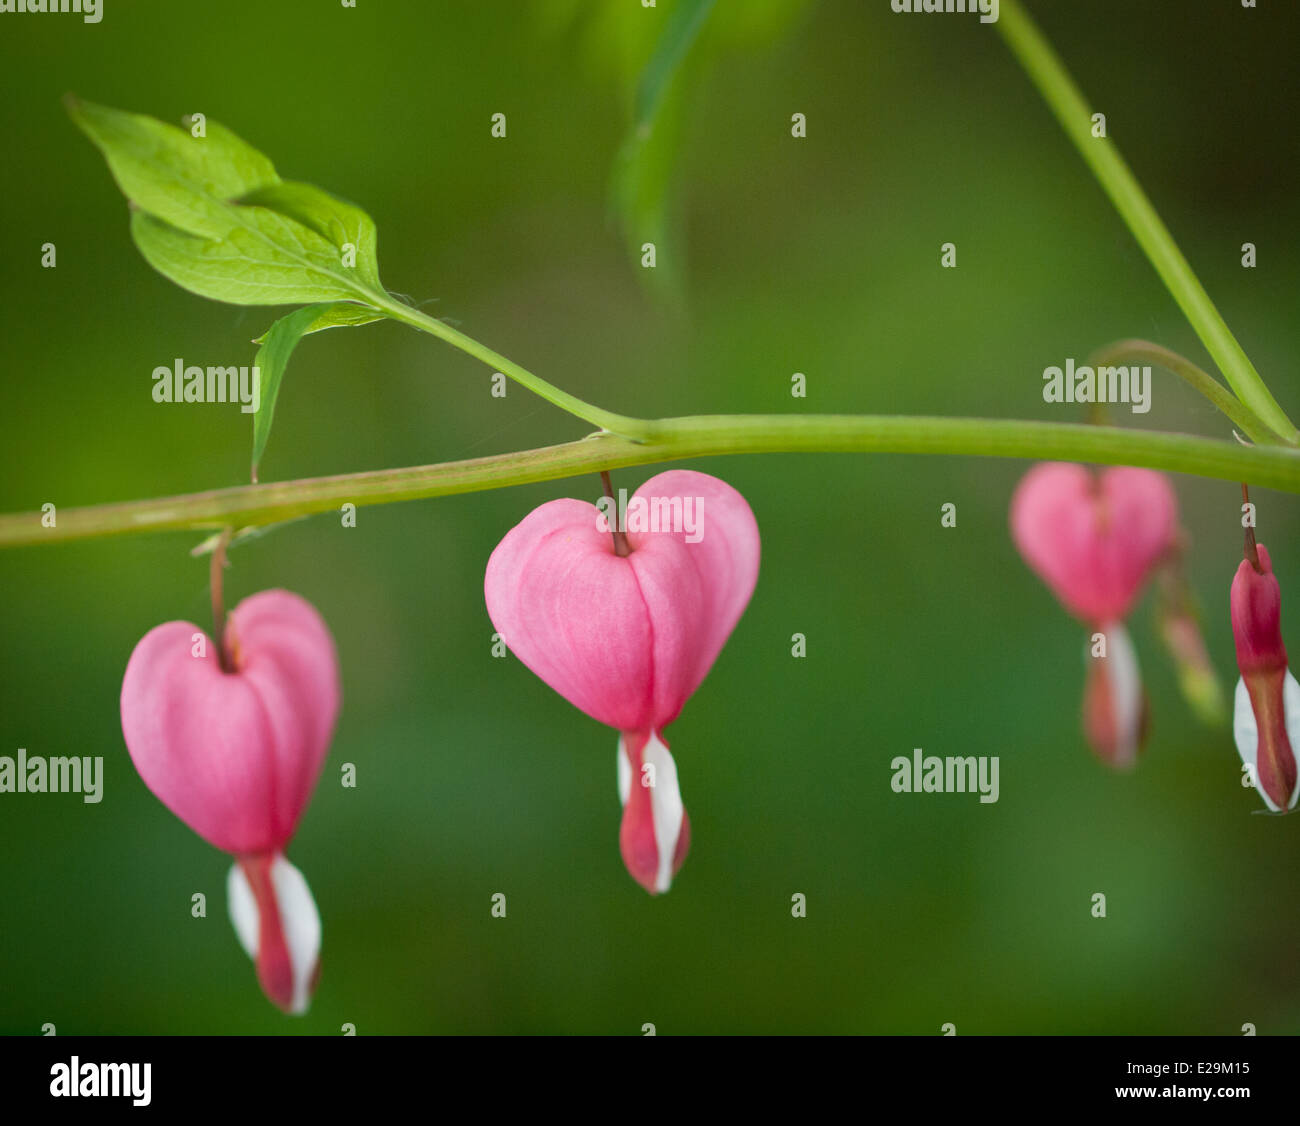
[(243, 535), (683, 27), (639, 189)]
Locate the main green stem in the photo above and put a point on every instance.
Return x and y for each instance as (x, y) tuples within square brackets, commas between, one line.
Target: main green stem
[(672, 439), (1101, 155), (624, 441)]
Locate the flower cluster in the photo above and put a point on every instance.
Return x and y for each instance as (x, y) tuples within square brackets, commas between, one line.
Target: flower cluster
[(624, 620), (231, 734)]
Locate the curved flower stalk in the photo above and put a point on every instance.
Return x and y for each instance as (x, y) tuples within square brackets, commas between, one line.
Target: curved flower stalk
[(1178, 615), (1094, 539), (231, 738), (1266, 715), (624, 615)]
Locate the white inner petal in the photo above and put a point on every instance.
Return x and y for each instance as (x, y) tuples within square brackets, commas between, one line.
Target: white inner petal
[(299, 921), (302, 929), (1245, 732), (624, 773), (1291, 705), (1125, 680), (665, 806), (243, 910)]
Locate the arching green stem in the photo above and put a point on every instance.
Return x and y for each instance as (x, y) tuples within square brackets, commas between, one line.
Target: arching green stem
[(1124, 352), (633, 429), (1102, 156), (673, 439)]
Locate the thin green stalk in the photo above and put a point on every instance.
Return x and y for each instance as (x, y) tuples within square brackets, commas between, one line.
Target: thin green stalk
[(1101, 155), (1124, 352), (674, 439), (631, 428)]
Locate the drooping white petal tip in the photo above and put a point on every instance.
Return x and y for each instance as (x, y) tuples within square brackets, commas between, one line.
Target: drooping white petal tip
[(1245, 733), (299, 923), (658, 774), (1114, 701)]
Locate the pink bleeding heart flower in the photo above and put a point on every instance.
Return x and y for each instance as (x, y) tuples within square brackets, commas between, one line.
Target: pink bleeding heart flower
[(1094, 539), (236, 755), (1266, 716), (628, 638)]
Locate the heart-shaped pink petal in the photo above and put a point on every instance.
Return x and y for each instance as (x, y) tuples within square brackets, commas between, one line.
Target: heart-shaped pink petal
[(626, 639), (1093, 538), (235, 755)]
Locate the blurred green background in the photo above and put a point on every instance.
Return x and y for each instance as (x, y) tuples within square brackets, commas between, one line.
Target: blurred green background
[(819, 256)]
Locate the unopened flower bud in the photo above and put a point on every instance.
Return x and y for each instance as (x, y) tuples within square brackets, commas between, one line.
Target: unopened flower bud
[(278, 926), (656, 833), (1266, 719)]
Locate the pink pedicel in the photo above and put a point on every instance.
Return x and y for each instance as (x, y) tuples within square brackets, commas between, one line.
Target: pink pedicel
[(627, 639), (1094, 538), (236, 756), (1266, 713)]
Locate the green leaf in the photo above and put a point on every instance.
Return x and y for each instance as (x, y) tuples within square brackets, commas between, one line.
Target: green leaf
[(336, 316), (338, 223), (184, 180), (277, 345), (271, 260), (212, 214)]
